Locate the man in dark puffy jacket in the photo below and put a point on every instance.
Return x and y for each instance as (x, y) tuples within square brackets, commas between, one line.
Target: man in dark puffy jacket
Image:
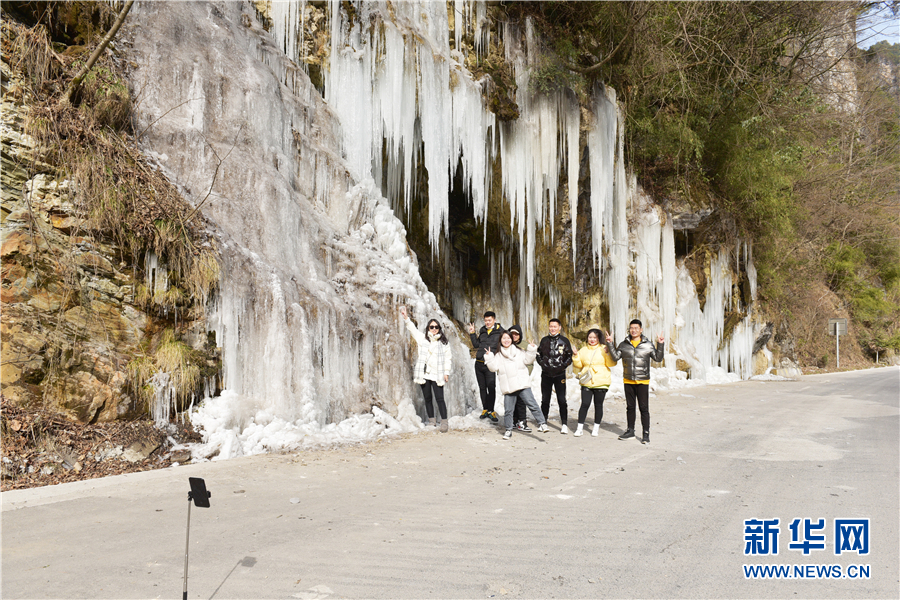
[(636, 351), (554, 354), (488, 338)]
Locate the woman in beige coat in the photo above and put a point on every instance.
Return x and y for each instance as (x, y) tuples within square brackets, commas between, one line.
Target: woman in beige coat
[(511, 366), (595, 359)]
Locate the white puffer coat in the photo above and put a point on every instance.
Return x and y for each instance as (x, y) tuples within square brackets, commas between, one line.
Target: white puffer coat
[(434, 359), (511, 367)]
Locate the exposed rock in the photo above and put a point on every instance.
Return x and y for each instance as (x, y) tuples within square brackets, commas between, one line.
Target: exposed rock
[(788, 368), (763, 338), (70, 325), (140, 450)]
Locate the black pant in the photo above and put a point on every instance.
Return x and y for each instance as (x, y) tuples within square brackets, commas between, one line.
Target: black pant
[(559, 383), (641, 393), (597, 395), (519, 412), (427, 388), (486, 383)]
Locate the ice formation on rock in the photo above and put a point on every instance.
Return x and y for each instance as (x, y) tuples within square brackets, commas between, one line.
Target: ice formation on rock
[(314, 261), (315, 264)]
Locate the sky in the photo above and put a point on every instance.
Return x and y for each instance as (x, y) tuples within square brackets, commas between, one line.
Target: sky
[(878, 26)]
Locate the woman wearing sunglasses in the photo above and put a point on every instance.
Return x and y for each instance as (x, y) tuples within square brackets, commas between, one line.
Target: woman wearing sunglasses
[(432, 368)]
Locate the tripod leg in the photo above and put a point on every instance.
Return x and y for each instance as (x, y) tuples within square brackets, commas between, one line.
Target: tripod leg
[(187, 547)]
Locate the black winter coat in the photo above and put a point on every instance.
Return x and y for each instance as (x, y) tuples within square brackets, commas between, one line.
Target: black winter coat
[(636, 361), (486, 340), (554, 354)]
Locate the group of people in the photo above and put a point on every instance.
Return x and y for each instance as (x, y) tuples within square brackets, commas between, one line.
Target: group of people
[(499, 358)]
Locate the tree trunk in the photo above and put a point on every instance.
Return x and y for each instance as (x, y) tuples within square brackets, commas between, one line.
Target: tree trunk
[(75, 84)]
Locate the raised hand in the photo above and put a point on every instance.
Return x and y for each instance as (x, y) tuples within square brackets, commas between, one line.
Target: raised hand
[(660, 338), (471, 327), (609, 339), (403, 311)]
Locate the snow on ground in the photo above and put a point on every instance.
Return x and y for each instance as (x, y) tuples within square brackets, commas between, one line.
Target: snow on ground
[(267, 433)]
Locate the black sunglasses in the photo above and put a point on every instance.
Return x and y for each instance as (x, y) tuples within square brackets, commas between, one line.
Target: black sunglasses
[(434, 327)]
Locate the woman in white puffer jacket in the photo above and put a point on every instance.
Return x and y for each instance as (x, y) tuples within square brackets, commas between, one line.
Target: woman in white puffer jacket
[(511, 366), (432, 368)]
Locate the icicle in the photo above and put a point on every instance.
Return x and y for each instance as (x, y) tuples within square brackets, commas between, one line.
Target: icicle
[(602, 147), (572, 128), (163, 398), (288, 19)]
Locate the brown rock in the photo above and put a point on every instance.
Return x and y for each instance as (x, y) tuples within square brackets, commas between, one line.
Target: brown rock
[(95, 264), (181, 456), (10, 373), (22, 394), (17, 242), (140, 450), (13, 271), (46, 300), (64, 224)]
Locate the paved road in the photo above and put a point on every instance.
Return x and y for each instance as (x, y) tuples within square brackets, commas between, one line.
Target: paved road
[(467, 515)]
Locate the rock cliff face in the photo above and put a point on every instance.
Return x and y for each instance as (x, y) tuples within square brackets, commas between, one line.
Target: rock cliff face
[(71, 322), (68, 330)]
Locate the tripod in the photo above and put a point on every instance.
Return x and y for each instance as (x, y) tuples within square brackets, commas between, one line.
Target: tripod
[(200, 497)]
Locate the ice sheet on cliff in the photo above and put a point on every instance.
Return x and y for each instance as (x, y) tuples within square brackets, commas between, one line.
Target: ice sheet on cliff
[(315, 263)]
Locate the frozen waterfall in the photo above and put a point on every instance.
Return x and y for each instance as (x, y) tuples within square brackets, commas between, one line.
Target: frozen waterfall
[(315, 263)]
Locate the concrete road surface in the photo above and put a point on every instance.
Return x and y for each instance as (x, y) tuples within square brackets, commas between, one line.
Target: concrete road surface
[(467, 515)]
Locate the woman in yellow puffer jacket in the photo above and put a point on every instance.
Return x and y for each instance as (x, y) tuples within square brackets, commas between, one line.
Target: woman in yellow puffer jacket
[(594, 358)]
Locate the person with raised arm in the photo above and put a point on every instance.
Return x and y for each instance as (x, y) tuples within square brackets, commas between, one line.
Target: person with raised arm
[(511, 366), (636, 351), (487, 338), (593, 359), (432, 368)]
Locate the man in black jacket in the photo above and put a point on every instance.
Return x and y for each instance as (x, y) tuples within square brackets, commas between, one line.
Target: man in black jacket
[(554, 354), (636, 351), (488, 338)]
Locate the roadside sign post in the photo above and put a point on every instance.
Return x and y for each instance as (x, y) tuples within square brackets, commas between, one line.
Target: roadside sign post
[(837, 328)]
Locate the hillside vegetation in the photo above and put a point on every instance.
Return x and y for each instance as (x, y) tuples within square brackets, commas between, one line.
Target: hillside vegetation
[(767, 112)]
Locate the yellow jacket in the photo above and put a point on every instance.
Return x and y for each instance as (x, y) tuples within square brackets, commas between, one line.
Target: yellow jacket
[(597, 359)]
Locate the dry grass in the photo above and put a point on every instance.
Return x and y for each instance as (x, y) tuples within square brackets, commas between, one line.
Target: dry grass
[(123, 200), (171, 356), (121, 197), (30, 53)]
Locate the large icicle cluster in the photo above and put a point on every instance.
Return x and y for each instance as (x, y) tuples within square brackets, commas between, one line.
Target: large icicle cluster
[(397, 86)]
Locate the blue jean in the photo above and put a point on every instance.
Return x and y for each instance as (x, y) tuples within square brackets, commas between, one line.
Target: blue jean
[(509, 404)]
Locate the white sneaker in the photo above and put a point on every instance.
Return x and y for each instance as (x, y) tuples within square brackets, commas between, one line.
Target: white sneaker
[(596, 431), (564, 430), (579, 431), (508, 434), (543, 428)]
